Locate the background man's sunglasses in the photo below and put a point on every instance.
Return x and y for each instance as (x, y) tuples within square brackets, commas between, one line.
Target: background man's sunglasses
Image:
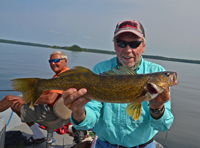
[(123, 44), (55, 60)]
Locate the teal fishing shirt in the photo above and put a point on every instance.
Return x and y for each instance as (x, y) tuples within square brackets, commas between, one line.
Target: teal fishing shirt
[(110, 120)]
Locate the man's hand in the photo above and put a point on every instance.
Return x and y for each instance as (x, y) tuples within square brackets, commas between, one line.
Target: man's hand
[(158, 102), (17, 102), (76, 101)]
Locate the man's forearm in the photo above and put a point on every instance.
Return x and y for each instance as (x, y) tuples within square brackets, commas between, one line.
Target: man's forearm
[(78, 118)]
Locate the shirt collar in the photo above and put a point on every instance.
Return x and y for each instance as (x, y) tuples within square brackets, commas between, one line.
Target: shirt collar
[(135, 68)]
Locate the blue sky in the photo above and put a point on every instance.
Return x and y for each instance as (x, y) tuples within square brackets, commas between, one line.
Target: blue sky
[(172, 27)]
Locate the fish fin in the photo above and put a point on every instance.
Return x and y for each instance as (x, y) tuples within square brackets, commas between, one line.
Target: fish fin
[(75, 70), (28, 87), (134, 110), (121, 71)]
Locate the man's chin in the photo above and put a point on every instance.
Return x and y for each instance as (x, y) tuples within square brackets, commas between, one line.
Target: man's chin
[(128, 64), (56, 70)]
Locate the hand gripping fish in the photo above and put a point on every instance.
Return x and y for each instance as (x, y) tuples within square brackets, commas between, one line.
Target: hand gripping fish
[(121, 85)]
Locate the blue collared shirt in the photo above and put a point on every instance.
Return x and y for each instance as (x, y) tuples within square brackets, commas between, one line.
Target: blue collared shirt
[(110, 120)]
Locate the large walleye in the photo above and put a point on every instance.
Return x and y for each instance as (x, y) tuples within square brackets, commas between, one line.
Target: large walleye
[(117, 86)]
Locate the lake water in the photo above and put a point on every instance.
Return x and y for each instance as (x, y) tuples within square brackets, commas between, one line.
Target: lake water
[(19, 61)]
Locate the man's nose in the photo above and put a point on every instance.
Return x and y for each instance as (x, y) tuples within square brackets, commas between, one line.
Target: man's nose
[(128, 49)]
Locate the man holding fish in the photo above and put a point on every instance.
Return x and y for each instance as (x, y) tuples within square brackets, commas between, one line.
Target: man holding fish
[(126, 99), (113, 126)]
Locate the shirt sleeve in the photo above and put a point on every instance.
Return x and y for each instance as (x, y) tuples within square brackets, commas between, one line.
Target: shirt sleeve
[(93, 109), (165, 122)]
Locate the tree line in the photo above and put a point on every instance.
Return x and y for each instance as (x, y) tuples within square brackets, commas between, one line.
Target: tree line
[(76, 48)]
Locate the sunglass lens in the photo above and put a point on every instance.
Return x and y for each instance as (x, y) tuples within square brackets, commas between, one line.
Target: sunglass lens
[(56, 60), (121, 44), (134, 44)]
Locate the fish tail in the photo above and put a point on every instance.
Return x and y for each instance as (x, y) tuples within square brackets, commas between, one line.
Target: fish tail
[(28, 87), (134, 110)]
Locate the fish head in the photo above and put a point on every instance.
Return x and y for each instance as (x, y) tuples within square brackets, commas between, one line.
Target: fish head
[(160, 81), (167, 78)]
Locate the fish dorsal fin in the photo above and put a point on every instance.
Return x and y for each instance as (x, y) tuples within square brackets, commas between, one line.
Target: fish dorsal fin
[(75, 69), (121, 71)]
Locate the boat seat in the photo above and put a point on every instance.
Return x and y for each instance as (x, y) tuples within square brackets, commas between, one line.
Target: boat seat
[(63, 114)]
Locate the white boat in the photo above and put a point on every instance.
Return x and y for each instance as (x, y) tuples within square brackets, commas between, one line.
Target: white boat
[(9, 121)]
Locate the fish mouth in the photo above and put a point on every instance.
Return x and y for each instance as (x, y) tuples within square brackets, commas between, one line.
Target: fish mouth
[(174, 79), (154, 89), (151, 88)]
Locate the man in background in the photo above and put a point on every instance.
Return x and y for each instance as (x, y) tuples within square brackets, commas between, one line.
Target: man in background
[(43, 110)]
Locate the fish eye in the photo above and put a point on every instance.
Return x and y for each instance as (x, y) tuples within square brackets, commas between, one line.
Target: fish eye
[(167, 74)]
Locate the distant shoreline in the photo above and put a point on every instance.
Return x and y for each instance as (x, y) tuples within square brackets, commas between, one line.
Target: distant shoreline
[(79, 49)]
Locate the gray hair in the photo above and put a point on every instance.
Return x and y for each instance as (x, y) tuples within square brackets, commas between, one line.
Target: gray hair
[(63, 55), (144, 40)]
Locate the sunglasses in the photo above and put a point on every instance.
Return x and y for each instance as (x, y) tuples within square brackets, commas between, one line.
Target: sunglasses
[(55, 60), (123, 44)]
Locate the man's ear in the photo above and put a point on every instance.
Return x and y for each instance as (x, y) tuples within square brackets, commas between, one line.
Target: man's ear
[(143, 47)]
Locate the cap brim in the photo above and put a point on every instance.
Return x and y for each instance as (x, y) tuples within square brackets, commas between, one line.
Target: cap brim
[(131, 31)]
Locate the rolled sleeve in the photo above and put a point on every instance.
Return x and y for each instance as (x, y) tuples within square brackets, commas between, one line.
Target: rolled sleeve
[(92, 116), (165, 122)]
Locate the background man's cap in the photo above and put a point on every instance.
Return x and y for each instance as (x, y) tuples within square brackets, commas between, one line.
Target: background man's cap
[(132, 26)]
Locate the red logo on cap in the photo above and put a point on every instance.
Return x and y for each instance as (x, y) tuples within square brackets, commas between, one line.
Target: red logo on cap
[(128, 24)]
